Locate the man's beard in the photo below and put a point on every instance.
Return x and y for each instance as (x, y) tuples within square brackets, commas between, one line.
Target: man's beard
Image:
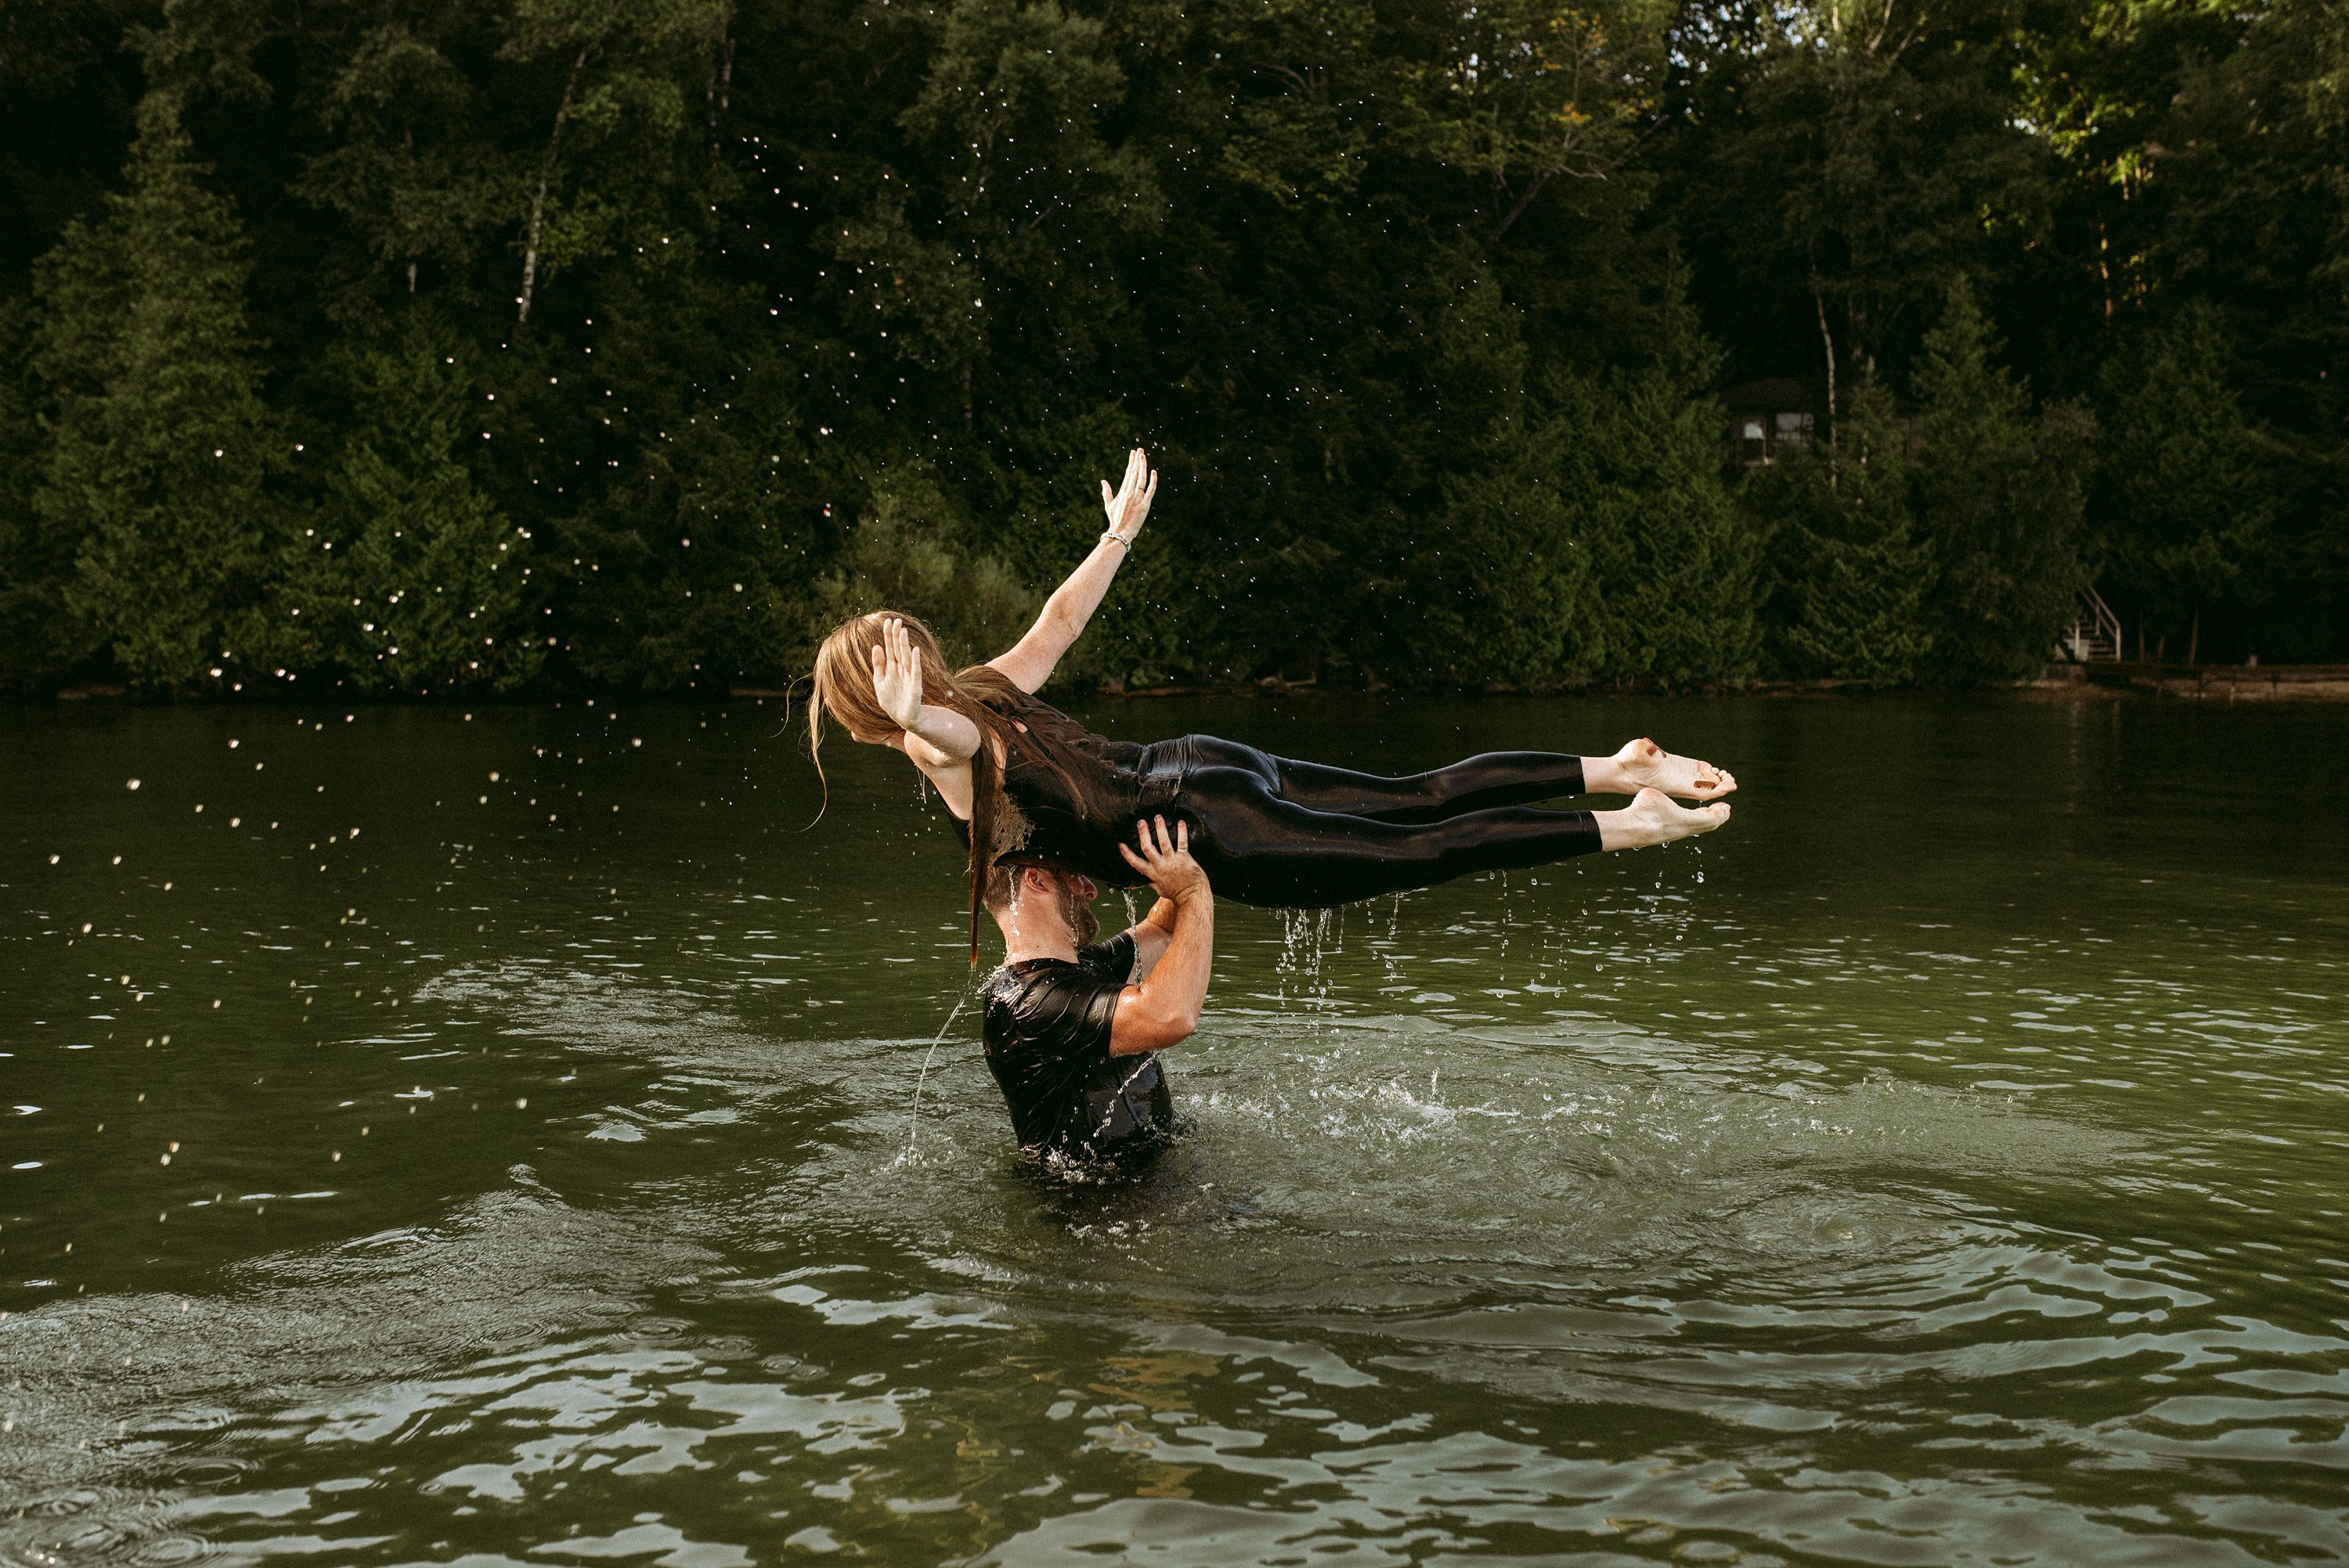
[(1076, 914)]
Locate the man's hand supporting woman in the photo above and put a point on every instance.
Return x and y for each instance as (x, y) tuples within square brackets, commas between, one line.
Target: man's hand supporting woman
[(1164, 1010)]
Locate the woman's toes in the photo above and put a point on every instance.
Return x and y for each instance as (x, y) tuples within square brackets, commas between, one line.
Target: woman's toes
[(1701, 781)]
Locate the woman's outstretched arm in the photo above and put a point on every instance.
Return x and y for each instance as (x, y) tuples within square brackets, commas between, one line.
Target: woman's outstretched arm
[(1029, 662), (934, 736)]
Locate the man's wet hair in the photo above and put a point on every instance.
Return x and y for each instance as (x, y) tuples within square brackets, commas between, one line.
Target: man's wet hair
[(1002, 885)]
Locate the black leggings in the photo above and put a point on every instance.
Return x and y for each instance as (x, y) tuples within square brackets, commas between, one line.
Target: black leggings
[(1298, 835)]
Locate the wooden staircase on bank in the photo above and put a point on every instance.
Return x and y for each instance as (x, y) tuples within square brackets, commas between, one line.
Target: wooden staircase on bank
[(2094, 636)]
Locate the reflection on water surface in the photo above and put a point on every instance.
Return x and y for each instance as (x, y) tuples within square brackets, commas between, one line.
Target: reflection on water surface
[(493, 1139)]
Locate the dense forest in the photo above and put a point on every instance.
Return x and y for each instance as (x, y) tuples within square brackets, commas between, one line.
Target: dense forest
[(409, 346)]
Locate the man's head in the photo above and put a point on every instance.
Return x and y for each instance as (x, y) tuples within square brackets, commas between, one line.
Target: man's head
[(1041, 906)]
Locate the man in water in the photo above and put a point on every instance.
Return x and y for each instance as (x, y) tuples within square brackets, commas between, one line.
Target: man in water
[(1072, 1024)]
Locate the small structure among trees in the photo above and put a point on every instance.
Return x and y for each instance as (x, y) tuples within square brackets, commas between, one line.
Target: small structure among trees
[(1768, 420)]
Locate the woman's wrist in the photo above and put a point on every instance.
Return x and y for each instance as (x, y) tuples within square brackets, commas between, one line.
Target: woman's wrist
[(924, 725), (953, 737)]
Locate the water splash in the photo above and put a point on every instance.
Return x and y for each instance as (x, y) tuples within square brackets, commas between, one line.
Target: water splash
[(1309, 936), (913, 1121)]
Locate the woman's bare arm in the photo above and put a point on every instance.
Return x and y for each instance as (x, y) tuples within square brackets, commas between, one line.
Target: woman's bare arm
[(1030, 662), (937, 740), (934, 736), (952, 778)]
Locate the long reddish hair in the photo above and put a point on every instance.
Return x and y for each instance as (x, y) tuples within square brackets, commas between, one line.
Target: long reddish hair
[(843, 686)]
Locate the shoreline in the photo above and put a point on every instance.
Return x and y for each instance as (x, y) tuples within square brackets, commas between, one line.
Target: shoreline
[(2229, 684)]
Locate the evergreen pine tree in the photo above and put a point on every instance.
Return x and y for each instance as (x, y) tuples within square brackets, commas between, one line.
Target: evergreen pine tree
[(411, 581), (2187, 497), (1846, 578), (159, 465), (38, 641), (1499, 585), (2000, 497), (1672, 565), (1507, 599), (1587, 535)]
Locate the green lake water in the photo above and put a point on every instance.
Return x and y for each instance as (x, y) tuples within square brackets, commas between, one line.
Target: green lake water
[(493, 1138)]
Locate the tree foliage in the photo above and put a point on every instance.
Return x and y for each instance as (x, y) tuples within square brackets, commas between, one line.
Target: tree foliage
[(162, 448), (628, 346), (1847, 579), (410, 581), (2000, 502), (2189, 493)]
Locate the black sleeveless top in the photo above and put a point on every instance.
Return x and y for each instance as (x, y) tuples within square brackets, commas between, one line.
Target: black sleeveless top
[(1074, 796)]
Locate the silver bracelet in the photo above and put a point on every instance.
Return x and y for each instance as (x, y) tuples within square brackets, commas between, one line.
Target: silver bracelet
[(1121, 539)]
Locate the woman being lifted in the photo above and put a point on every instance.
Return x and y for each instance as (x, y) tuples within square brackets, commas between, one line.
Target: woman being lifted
[(1269, 831)]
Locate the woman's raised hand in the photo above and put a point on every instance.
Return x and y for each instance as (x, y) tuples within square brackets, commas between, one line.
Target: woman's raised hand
[(1130, 505), (898, 674)]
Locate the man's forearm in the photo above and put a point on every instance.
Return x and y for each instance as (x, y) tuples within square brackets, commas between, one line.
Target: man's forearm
[(1150, 933), (1179, 983), (1164, 1010)]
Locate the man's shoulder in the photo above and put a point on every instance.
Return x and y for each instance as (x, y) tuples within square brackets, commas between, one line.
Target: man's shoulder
[(1045, 998), (1109, 959), (1025, 972), (1011, 986), (1112, 958)]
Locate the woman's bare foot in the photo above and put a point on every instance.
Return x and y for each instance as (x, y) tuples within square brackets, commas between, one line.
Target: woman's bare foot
[(1644, 765), (1654, 818)]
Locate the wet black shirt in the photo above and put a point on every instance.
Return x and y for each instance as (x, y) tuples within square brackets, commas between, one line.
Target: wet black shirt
[(1047, 1027), (1077, 806)]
